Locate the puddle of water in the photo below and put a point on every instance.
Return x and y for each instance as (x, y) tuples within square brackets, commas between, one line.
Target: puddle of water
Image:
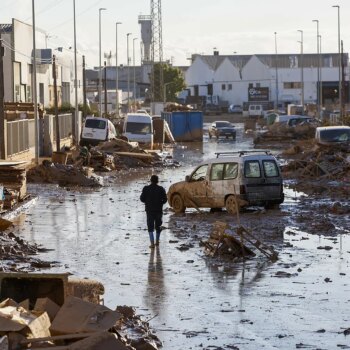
[(197, 303)]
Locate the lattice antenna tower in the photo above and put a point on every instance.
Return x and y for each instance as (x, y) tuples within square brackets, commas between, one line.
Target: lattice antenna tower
[(157, 50)]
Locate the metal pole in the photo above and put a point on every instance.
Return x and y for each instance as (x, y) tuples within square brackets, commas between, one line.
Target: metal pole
[(128, 66), (318, 69), (105, 88), (100, 64), (84, 90), (2, 112), (57, 122), (35, 97), (116, 70), (339, 55), (133, 62), (276, 66), (321, 91), (302, 67), (76, 109)]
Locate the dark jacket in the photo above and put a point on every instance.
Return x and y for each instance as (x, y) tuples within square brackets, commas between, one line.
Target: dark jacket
[(154, 197)]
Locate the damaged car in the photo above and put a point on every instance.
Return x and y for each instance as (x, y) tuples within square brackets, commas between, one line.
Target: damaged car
[(232, 180)]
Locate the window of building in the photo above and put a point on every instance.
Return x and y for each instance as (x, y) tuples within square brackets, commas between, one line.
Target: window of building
[(229, 87), (250, 85), (223, 86), (293, 61), (257, 85), (292, 85)]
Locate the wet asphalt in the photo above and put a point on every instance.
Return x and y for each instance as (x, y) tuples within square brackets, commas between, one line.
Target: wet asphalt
[(192, 302)]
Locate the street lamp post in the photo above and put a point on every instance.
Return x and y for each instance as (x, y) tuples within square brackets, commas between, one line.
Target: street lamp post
[(133, 62), (116, 70), (100, 64), (128, 65), (318, 69), (321, 92), (76, 110), (35, 97), (276, 66), (302, 66), (340, 60)]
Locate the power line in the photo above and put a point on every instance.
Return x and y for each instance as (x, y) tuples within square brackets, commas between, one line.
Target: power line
[(49, 7)]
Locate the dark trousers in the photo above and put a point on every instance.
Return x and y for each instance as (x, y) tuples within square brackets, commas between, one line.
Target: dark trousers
[(154, 220)]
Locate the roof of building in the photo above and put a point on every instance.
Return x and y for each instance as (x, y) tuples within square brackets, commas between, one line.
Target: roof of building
[(6, 28), (292, 60)]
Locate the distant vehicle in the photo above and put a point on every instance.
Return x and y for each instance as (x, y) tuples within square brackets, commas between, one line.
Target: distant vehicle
[(138, 127), (235, 109), (222, 128), (333, 135), (301, 120), (142, 111), (231, 179), (96, 130), (255, 111), (212, 109)]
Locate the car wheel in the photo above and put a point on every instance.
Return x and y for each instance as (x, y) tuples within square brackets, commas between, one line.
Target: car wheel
[(177, 204), (231, 204)]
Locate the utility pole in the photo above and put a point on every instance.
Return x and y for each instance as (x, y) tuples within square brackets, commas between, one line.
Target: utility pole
[(342, 108), (116, 70), (302, 68), (2, 112), (54, 75), (105, 75), (276, 67), (84, 89)]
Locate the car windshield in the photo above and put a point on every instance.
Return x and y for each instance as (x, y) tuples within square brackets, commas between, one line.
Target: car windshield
[(223, 124), (335, 135), (138, 128), (95, 124)]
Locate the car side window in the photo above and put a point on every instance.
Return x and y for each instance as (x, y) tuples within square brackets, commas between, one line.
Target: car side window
[(217, 172), (231, 171), (200, 173), (270, 168), (252, 169)]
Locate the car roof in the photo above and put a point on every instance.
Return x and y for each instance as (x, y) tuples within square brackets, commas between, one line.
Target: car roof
[(238, 158), (340, 127)]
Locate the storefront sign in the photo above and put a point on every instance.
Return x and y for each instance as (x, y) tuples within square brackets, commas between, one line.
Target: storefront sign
[(258, 94)]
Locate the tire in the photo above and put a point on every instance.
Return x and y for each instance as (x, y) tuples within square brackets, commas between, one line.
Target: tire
[(177, 204), (231, 205)]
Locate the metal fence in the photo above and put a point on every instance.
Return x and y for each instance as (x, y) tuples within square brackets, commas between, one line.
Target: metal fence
[(65, 125), (20, 136)]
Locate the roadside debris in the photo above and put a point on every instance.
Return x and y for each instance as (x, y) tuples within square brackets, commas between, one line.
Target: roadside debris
[(69, 322), (64, 175), (232, 241)]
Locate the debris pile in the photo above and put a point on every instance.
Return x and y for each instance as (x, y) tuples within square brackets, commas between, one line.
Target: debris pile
[(233, 242), (174, 107), (13, 182), (64, 175), (77, 324), (280, 132)]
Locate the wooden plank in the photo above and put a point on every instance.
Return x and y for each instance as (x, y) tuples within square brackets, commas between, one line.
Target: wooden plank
[(59, 337)]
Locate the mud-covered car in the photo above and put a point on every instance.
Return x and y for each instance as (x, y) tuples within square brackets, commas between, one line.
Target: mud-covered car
[(232, 180), (222, 128)]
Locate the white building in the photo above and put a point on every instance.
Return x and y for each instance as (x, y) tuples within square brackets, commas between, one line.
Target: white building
[(241, 79), (18, 42)]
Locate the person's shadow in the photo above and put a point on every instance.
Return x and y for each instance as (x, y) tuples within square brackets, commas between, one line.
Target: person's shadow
[(155, 292)]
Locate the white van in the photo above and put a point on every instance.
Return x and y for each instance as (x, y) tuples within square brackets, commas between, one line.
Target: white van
[(255, 110), (138, 127), (96, 130)]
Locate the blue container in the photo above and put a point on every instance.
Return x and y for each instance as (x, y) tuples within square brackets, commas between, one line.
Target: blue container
[(185, 125)]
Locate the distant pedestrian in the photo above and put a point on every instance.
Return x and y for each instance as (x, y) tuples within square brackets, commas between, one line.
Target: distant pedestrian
[(154, 197)]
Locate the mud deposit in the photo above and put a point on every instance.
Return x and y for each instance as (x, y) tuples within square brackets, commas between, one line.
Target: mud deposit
[(193, 302)]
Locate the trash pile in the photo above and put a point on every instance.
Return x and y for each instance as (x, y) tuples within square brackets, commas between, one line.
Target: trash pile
[(280, 132), (64, 175), (76, 325), (320, 164), (174, 107), (13, 184), (225, 240)]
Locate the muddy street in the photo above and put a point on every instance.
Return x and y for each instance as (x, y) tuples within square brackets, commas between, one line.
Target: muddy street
[(192, 301)]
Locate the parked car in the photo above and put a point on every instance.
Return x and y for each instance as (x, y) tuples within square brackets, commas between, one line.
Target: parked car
[(96, 130), (255, 111), (222, 128), (138, 127), (333, 135), (232, 180), (235, 109)]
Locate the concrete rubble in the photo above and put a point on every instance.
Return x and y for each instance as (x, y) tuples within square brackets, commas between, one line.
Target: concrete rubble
[(69, 322)]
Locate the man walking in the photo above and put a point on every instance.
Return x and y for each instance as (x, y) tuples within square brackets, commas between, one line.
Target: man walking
[(154, 197)]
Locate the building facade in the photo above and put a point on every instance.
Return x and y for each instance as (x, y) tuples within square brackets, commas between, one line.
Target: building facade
[(245, 79)]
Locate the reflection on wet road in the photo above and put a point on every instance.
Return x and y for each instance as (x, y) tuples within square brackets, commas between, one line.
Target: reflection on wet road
[(196, 303)]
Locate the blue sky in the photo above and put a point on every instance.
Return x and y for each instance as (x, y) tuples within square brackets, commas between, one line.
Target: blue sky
[(189, 26)]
